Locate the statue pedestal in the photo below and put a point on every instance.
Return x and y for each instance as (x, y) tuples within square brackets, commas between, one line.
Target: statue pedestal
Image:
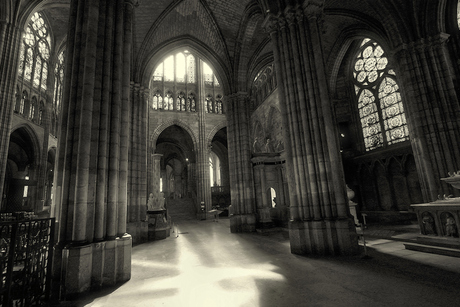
[(158, 225)]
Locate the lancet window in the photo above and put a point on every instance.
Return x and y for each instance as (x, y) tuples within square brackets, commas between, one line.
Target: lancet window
[(58, 81), (380, 107), (35, 53), (32, 109), (179, 76)]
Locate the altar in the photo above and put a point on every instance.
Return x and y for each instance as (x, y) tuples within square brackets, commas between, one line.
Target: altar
[(439, 218)]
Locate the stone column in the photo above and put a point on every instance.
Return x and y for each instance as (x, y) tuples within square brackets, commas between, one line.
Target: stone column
[(263, 209), (138, 169), (10, 39), (191, 180), (280, 197), (243, 217), (202, 165), (134, 207), (425, 71), (320, 220), (93, 151), (154, 187)]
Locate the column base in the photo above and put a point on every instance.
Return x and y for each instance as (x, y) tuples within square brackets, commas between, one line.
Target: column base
[(159, 227), (94, 266), (325, 237), (139, 231), (243, 223)]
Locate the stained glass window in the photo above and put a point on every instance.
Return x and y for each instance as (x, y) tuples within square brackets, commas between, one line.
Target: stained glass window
[(180, 67), (40, 113), (176, 76), (157, 101), (23, 101), (191, 102), (209, 107), (35, 52), (169, 69), (58, 81), (380, 107), (181, 101), (169, 102), (208, 74), (191, 68), (158, 74), (32, 108), (219, 104)]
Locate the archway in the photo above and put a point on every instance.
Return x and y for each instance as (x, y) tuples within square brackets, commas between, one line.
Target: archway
[(219, 171), (178, 174), (21, 176)]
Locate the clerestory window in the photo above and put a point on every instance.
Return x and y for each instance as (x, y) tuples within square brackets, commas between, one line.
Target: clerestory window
[(35, 52), (176, 81), (380, 107), (58, 81)]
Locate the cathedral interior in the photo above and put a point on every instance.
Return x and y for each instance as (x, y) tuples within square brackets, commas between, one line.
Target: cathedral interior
[(118, 119)]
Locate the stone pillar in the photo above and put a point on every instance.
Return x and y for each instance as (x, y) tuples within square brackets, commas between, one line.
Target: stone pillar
[(93, 149), (154, 187), (263, 209), (320, 219), (280, 197), (427, 80), (137, 152), (202, 165), (243, 217), (191, 180), (10, 38)]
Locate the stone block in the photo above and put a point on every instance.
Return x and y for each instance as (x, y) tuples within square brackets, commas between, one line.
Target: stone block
[(77, 266), (98, 265), (110, 263), (124, 249)]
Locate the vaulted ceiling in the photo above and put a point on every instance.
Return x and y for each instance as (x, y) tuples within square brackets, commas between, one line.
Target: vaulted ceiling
[(231, 32)]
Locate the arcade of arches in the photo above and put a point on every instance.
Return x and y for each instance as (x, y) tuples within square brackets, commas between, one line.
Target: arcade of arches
[(269, 110)]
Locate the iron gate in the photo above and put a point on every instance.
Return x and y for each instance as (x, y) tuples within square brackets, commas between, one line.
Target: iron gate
[(26, 252)]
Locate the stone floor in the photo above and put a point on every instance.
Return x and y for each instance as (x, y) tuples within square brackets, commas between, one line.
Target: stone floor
[(206, 265)]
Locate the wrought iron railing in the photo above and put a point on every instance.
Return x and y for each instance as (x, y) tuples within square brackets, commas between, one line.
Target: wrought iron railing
[(26, 251)]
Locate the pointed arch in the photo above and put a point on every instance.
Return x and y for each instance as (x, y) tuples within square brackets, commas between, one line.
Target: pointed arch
[(178, 44), (158, 130), (198, 24), (213, 132)]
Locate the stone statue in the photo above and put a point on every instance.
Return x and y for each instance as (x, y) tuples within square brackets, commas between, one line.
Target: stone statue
[(279, 146), (428, 224), (268, 146), (451, 228), (153, 205), (256, 146)]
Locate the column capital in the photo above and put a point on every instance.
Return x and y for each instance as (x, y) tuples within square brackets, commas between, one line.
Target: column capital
[(271, 24), (157, 156)]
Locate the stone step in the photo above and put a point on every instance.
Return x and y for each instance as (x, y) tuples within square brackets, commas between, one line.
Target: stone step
[(453, 252), (439, 241)]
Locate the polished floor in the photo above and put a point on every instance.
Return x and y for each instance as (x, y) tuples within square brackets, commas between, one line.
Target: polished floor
[(206, 265)]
